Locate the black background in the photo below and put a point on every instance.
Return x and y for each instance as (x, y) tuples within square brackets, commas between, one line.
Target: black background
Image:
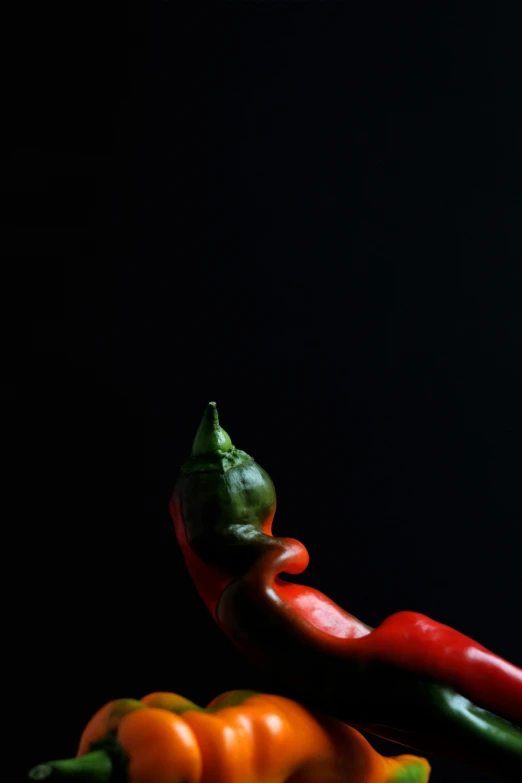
[(311, 214)]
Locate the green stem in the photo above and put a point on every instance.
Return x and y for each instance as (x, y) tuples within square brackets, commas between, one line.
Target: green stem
[(210, 437), (94, 767)]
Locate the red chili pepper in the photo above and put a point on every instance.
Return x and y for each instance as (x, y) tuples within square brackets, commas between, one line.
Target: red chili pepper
[(412, 679)]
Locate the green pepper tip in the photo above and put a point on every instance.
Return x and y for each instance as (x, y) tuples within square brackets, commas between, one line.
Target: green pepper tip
[(210, 437), (40, 772)]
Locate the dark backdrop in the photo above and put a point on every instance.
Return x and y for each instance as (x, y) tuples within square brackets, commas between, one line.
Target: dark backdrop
[(311, 214)]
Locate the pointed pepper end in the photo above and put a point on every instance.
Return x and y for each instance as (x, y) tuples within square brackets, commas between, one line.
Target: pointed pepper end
[(210, 437), (41, 772)]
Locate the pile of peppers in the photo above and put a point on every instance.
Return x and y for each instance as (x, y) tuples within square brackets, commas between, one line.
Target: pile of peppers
[(411, 680), (240, 737)]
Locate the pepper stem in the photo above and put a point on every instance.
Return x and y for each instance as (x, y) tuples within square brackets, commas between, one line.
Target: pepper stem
[(94, 767), (210, 437)]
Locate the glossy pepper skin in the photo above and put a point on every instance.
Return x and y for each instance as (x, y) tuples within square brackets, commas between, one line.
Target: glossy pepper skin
[(241, 737), (411, 680)]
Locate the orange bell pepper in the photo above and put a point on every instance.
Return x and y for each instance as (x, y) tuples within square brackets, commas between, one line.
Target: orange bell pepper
[(240, 737)]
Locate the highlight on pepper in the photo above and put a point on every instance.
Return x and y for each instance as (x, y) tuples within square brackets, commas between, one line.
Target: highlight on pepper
[(411, 680), (240, 737)]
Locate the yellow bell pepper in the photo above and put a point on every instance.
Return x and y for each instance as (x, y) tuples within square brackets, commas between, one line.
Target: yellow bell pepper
[(240, 737)]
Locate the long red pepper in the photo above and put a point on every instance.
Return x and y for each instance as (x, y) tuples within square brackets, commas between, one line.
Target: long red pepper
[(405, 639), (456, 696)]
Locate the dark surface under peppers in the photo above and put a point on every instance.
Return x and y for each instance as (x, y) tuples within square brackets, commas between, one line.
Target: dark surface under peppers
[(411, 680)]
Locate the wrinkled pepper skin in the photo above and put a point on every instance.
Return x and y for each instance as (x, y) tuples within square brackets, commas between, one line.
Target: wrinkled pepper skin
[(241, 737), (411, 680)]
